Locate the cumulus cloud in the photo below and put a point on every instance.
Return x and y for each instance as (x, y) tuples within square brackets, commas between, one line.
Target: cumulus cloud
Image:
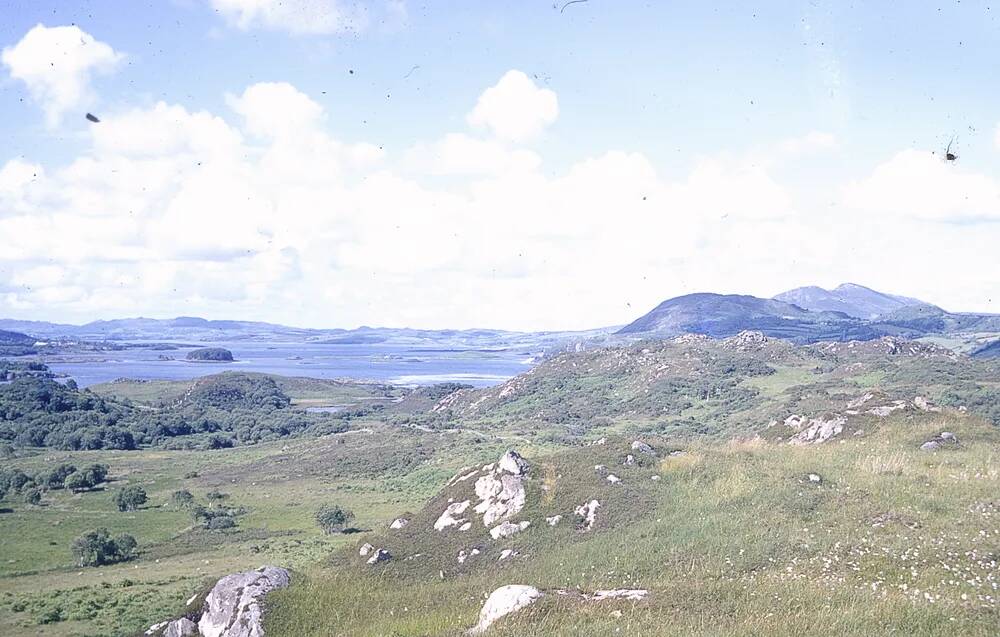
[(295, 16), (261, 212), (57, 64), (515, 109), (921, 184)]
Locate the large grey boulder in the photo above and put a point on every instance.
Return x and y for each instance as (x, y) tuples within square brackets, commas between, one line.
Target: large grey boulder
[(501, 491), (504, 601), (233, 608)]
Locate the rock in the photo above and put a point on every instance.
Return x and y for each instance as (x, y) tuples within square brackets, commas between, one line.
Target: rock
[(641, 447), (507, 529), (930, 445), (599, 441), (924, 404), (746, 340), (380, 555), (600, 467), (399, 523), (448, 518), (947, 436), (633, 594), (553, 520), (613, 479), (501, 491), (182, 627), (504, 554), (504, 601), (818, 431), (587, 511), (465, 527), (513, 463), (365, 549), (815, 477), (463, 555), (654, 478), (233, 607), (938, 441), (629, 460)]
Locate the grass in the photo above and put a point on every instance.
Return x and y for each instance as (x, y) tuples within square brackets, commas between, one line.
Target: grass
[(733, 539)]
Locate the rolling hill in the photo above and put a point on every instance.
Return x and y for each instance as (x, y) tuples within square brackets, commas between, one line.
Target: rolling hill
[(851, 299)]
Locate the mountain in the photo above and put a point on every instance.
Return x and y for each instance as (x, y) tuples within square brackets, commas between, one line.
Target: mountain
[(849, 298), (721, 315), (990, 350), (15, 338)]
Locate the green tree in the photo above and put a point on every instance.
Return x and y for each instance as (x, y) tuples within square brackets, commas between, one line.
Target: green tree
[(97, 548), (96, 473), (130, 498), (333, 519), (79, 481)]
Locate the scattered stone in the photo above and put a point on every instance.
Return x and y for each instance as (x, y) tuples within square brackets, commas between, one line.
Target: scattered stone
[(366, 548), (641, 447), (233, 607), (504, 601), (507, 529), (463, 555), (599, 441), (613, 479), (399, 523), (948, 437), (923, 404), (504, 554), (940, 440), (815, 477), (930, 445), (587, 511), (380, 555), (600, 467), (633, 594), (654, 478), (629, 460), (553, 520), (448, 518), (465, 527)]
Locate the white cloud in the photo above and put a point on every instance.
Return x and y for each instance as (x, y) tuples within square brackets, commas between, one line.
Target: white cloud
[(923, 185), (294, 16), (56, 64), (262, 213), (515, 109)]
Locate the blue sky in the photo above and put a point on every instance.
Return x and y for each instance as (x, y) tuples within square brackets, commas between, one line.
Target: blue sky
[(777, 141)]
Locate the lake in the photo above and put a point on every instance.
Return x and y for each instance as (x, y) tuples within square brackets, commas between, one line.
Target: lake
[(398, 364)]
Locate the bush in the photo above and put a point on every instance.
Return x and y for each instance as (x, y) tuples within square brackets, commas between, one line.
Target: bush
[(220, 522), (182, 499), (98, 548), (32, 495), (333, 519), (130, 498)]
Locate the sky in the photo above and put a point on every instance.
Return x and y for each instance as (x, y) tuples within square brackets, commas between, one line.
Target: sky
[(522, 165)]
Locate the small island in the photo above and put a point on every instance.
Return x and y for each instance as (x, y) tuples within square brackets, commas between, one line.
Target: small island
[(210, 355)]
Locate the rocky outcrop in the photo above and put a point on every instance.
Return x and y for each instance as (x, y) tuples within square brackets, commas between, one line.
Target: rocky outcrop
[(448, 518), (507, 529), (233, 608), (381, 555), (504, 601), (816, 430), (399, 523), (501, 491), (587, 511)]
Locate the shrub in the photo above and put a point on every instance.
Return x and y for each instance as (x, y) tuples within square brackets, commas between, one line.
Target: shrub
[(182, 499), (220, 522), (32, 495), (130, 498), (98, 548), (333, 519)]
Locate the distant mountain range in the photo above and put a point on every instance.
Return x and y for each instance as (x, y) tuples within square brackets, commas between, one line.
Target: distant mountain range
[(849, 298), (810, 314), (804, 315)]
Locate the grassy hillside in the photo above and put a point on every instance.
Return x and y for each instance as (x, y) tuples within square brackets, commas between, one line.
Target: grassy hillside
[(732, 539)]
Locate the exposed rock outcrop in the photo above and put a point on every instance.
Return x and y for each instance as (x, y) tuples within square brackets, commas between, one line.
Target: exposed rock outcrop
[(587, 511), (233, 608), (501, 491), (816, 430)]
